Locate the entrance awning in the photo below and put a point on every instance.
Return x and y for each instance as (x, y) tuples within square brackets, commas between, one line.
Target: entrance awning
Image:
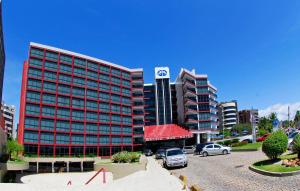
[(165, 132)]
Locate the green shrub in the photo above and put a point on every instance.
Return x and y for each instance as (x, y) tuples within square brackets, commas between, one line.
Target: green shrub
[(235, 141), (125, 156), (296, 145), (275, 144), (261, 132), (220, 143), (227, 142), (239, 144)]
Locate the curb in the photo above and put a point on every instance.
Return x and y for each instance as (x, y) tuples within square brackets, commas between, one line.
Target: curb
[(248, 150), (274, 174)]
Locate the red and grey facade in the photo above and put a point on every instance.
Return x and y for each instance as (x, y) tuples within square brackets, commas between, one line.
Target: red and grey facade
[(75, 105)]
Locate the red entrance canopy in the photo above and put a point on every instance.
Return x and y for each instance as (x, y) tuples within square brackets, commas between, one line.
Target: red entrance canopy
[(165, 132)]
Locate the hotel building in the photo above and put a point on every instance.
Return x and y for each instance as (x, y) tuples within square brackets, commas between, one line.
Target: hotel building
[(75, 105), (228, 114)]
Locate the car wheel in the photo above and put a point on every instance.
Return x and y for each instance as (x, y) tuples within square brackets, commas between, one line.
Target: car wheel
[(205, 154), (225, 152), (186, 165)]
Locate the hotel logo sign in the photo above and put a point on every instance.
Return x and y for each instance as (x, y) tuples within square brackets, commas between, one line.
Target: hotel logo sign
[(162, 72)]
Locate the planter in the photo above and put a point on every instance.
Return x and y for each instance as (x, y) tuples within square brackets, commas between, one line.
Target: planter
[(120, 170), (274, 174)]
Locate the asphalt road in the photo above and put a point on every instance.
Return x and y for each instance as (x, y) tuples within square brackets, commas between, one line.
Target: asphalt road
[(231, 173)]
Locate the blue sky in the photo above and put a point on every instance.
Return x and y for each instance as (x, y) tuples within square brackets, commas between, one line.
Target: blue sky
[(249, 49)]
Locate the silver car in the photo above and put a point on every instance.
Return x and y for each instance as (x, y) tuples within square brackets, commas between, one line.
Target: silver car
[(174, 157), (215, 149), (188, 149)]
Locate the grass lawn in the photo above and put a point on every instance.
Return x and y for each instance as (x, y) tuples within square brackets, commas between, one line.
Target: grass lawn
[(268, 165), (288, 156), (16, 161), (248, 147)]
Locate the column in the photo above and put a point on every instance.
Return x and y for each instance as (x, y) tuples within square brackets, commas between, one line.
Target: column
[(37, 167), (52, 167), (81, 166), (67, 166), (198, 138), (208, 137)]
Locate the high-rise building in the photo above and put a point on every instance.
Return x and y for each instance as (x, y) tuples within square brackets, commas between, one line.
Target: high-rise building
[(196, 104), (190, 102), (8, 112), (228, 114), (245, 116), (77, 105)]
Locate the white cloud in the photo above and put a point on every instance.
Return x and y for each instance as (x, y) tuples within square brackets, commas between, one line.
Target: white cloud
[(281, 110)]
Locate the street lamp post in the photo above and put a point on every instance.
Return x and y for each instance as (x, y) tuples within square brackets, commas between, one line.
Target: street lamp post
[(253, 126)]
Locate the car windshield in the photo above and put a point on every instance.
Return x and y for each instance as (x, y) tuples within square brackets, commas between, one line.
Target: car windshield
[(174, 152)]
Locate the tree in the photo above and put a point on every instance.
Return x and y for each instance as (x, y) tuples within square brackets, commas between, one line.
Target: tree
[(297, 119), (241, 127), (265, 124), (14, 148), (296, 145), (275, 144)]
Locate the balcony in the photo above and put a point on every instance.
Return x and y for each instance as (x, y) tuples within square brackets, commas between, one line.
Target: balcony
[(191, 121), (189, 84), (189, 101), (190, 111)]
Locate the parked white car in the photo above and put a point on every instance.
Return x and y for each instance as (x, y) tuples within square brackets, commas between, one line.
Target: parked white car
[(215, 149), (174, 157)]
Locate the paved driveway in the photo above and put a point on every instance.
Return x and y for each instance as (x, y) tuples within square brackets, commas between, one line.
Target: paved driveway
[(230, 173)]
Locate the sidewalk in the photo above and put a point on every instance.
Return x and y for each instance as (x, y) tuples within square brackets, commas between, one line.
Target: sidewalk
[(154, 178)]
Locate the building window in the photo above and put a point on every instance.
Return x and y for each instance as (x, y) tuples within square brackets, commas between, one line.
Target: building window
[(91, 128), (77, 139), (66, 59), (79, 81), (36, 73), (50, 76), (78, 103), (49, 99), (91, 116), (126, 100), (127, 140), (104, 107), (33, 96), (127, 120), (105, 118), (127, 130), (92, 65), (93, 75), (116, 119), (116, 98), (50, 65), (104, 77), (37, 52), (78, 92), (32, 109), (92, 84), (116, 140), (48, 111), (47, 138), (104, 69), (65, 68), (31, 137), (115, 108), (126, 83), (47, 124), (104, 87), (79, 72), (104, 96), (31, 122), (91, 140), (79, 62), (115, 80), (62, 139), (126, 110), (92, 105), (115, 129), (104, 140), (34, 84), (78, 127), (92, 94), (65, 79), (126, 75), (63, 89), (63, 113), (77, 115), (104, 129), (63, 101), (116, 72), (63, 126), (50, 87), (115, 88), (51, 56), (126, 92), (36, 63)]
